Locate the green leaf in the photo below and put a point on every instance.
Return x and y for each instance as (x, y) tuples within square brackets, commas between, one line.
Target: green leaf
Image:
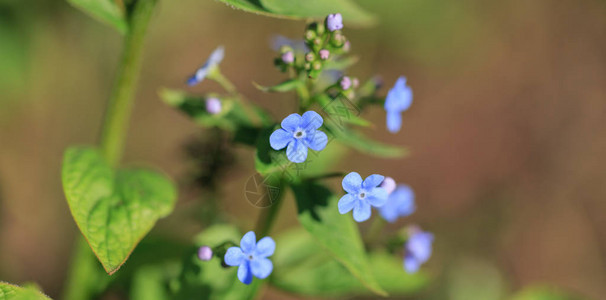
[(113, 209), (285, 86), (319, 9), (364, 144), (111, 12), (248, 6), (338, 234), (12, 292), (341, 111), (301, 269), (544, 292), (148, 284), (208, 279)]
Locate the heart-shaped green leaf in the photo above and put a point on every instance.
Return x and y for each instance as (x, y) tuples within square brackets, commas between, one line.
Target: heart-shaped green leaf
[(12, 292), (338, 234), (110, 12), (113, 209)]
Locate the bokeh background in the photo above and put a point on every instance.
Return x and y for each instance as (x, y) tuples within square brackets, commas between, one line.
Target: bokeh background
[(507, 129)]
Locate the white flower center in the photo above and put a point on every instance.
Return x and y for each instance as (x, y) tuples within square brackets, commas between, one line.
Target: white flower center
[(299, 134)]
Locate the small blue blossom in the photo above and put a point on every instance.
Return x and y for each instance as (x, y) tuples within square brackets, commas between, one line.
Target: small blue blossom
[(251, 257), (299, 133), (400, 203), (213, 60), (398, 100), (334, 22), (361, 195), (417, 250)]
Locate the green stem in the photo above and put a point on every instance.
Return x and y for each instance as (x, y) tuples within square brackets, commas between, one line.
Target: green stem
[(374, 232), (268, 215), (121, 102), (82, 281)]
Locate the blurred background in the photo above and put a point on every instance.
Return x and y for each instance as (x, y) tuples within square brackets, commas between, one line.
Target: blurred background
[(507, 129)]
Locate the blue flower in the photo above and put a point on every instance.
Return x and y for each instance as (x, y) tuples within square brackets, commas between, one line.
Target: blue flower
[(299, 133), (361, 195), (251, 257), (398, 100), (417, 250), (213, 60), (334, 22), (400, 203)]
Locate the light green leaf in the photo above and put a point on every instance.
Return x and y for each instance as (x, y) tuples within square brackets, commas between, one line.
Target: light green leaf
[(364, 144), (111, 12), (248, 6), (301, 269), (113, 209), (544, 292), (341, 111), (338, 234), (319, 9), (148, 284), (285, 86), (12, 292)]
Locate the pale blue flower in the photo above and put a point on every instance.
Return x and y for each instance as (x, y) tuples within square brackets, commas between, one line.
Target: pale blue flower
[(361, 195), (299, 133), (213, 60), (251, 257), (400, 203), (417, 250), (398, 100), (334, 22)]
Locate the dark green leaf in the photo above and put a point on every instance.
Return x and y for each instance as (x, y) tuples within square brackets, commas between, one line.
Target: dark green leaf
[(110, 12), (338, 234), (12, 292), (149, 284), (285, 86), (319, 9), (114, 210)]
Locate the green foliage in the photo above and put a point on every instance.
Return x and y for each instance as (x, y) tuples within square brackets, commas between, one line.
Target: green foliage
[(284, 86), (113, 209), (298, 9), (12, 292), (148, 284), (302, 269), (111, 12), (336, 233), (543, 292)]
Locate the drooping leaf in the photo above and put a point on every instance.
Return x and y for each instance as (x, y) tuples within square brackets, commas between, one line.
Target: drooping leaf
[(111, 12), (352, 13), (365, 145), (341, 111), (336, 233), (13, 292), (208, 279), (284, 86), (113, 209), (301, 269)]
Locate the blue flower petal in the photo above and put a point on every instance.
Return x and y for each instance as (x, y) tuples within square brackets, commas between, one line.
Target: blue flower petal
[(346, 203), (248, 242), (411, 265), (296, 151), (406, 200), (394, 121), (234, 256), (419, 245), (244, 273), (372, 181), (361, 211), (352, 182), (280, 138), (311, 120), (291, 122), (377, 197), (316, 140), (389, 212), (265, 247), (216, 56), (399, 97), (261, 267)]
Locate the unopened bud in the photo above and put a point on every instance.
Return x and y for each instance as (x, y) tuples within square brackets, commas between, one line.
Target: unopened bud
[(324, 54), (345, 83), (205, 253), (309, 57), (213, 106), (288, 57)]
